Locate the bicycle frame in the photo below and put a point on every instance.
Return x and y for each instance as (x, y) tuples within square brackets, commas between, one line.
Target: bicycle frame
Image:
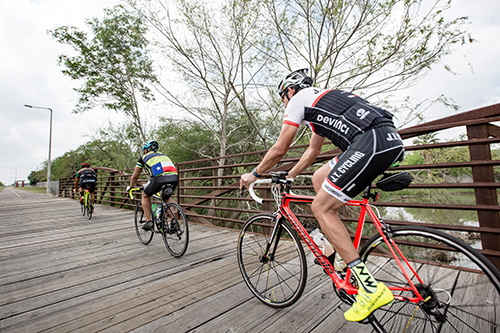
[(343, 283), (86, 196)]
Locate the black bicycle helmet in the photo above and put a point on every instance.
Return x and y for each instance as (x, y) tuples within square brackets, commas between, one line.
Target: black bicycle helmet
[(151, 145), (297, 79)]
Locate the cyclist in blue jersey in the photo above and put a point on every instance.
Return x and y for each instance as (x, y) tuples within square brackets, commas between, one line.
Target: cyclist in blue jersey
[(370, 144), (86, 178), (161, 171)]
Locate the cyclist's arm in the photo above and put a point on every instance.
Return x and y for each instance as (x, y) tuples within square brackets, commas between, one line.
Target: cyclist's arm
[(309, 155), (273, 156), (135, 176), (76, 181)]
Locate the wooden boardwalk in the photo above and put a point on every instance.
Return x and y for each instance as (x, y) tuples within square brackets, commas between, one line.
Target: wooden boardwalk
[(61, 272)]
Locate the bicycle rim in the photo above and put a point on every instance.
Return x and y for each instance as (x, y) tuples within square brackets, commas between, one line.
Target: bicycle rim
[(462, 288), (89, 211), (175, 230), (140, 218), (278, 277)]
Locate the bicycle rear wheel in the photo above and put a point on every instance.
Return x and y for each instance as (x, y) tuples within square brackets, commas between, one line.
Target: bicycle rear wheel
[(89, 210), (140, 218), (461, 286), (276, 274), (175, 230)]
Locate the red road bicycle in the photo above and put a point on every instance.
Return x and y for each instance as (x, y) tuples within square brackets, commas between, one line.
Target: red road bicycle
[(440, 283)]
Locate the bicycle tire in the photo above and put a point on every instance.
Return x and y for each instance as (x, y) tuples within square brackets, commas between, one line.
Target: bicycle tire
[(83, 206), (144, 236), (175, 231), (463, 287), (278, 280), (89, 211)]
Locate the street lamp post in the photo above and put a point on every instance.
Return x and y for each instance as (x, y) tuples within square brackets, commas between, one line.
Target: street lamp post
[(50, 141)]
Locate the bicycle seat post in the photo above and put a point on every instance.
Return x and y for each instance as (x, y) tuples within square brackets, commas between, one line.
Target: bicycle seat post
[(369, 194)]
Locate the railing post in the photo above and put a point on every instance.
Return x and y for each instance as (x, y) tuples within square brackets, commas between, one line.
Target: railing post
[(485, 196)]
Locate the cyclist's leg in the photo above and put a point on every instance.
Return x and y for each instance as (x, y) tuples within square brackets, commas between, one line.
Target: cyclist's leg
[(80, 189), (146, 205), (351, 172), (91, 188), (169, 185), (371, 294), (150, 188)]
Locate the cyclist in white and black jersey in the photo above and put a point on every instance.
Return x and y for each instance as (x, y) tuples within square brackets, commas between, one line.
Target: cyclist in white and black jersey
[(370, 144)]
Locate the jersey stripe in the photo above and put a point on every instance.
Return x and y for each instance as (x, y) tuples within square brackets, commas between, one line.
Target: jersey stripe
[(319, 97), (288, 122)]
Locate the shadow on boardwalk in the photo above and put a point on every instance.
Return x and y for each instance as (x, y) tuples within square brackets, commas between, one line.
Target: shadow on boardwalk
[(61, 272)]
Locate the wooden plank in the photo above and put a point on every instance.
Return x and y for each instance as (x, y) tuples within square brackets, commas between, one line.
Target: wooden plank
[(63, 273)]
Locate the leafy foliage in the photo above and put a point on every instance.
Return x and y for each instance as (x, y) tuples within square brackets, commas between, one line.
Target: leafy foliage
[(112, 63)]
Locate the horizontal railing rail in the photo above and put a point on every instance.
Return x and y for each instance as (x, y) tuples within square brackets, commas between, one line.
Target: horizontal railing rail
[(209, 188)]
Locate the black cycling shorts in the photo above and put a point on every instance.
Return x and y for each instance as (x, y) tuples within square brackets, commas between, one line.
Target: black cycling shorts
[(368, 156), (155, 184), (88, 184)]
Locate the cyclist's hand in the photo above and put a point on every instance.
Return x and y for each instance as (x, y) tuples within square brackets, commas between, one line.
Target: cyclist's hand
[(74, 190), (246, 179), (128, 188)]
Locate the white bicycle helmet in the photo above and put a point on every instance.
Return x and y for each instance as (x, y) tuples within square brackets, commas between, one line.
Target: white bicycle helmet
[(297, 79)]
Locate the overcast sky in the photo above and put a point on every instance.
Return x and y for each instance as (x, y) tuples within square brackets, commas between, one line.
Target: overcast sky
[(29, 75)]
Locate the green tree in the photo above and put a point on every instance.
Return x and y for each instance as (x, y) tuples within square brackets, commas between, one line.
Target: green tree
[(37, 176), (371, 47), (218, 62), (112, 62)]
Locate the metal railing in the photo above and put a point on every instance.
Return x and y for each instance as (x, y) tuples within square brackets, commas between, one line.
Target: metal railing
[(208, 188)]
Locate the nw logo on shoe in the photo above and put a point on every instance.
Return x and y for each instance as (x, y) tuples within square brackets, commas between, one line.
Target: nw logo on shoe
[(362, 113)]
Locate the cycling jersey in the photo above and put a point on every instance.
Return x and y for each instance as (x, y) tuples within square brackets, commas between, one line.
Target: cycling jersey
[(156, 164), (88, 178), (335, 114), (366, 134)]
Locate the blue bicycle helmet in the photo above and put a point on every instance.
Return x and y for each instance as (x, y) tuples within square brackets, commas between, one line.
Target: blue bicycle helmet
[(151, 145)]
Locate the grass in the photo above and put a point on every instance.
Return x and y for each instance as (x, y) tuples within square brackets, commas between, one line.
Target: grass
[(33, 189)]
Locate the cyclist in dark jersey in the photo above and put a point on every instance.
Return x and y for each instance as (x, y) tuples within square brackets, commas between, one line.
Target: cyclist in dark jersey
[(161, 171), (370, 144), (86, 178)]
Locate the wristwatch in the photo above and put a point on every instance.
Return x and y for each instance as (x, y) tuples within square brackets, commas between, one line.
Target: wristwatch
[(254, 172)]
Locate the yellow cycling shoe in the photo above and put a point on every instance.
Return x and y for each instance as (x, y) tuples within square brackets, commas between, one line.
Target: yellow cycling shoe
[(366, 303)]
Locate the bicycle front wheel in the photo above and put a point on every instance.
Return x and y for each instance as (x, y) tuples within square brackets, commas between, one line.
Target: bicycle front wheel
[(460, 286), (145, 236), (273, 264), (175, 229)]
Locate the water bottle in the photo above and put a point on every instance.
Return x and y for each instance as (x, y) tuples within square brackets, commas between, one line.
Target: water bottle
[(338, 263), (158, 213), (154, 210), (318, 238)]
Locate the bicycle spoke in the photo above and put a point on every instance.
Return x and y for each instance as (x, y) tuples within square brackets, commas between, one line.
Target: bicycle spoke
[(277, 277), (175, 231), (144, 236), (458, 298)]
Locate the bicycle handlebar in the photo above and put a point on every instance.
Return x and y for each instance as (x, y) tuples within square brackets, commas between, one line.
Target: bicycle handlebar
[(132, 190), (252, 192)]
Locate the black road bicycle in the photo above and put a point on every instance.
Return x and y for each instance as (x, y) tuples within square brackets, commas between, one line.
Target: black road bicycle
[(168, 219)]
